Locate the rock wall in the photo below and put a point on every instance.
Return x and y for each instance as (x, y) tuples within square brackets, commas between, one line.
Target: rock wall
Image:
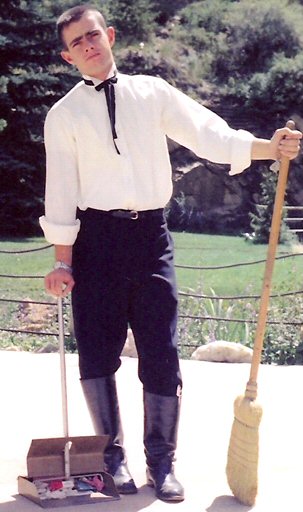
[(219, 202)]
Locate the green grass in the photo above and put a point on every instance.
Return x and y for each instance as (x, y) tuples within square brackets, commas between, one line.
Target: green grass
[(30, 263), (191, 250), (209, 250)]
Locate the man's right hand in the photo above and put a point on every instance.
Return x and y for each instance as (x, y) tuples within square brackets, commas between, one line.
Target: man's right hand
[(59, 282)]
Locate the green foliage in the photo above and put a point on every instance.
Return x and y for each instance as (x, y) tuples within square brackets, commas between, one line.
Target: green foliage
[(30, 84), (262, 217), (283, 82), (239, 39), (243, 53), (133, 19), (283, 343), (215, 320), (165, 10), (255, 33)]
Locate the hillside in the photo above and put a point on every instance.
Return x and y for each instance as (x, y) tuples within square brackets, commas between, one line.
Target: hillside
[(243, 59)]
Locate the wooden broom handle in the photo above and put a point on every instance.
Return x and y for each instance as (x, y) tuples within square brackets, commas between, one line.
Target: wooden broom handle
[(251, 390)]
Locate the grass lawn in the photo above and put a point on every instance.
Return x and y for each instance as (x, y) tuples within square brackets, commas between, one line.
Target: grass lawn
[(208, 250), (190, 249), (197, 250)]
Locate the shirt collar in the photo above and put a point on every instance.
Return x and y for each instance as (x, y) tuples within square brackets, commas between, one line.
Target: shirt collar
[(96, 81)]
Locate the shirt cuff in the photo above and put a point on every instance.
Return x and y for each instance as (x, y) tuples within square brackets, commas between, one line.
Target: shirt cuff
[(58, 234), (241, 152)]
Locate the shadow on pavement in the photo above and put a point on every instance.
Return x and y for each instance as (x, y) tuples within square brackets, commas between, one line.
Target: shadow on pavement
[(223, 503), (134, 503)]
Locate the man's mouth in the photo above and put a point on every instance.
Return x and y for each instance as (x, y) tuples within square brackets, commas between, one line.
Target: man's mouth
[(93, 56)]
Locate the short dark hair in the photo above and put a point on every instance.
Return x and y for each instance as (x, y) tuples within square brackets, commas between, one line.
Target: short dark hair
[(75, 14)]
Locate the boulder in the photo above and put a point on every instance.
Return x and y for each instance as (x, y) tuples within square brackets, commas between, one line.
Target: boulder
[(221, 351)]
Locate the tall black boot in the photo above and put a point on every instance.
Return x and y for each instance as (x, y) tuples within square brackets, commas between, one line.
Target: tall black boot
[(102, 401), (161, 418)]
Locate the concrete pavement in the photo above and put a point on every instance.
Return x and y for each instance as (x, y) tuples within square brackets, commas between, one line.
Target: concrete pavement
[(31, 408)]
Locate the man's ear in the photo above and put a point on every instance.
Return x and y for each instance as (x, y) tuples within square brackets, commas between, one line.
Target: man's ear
[(66, 56), (111, 35)]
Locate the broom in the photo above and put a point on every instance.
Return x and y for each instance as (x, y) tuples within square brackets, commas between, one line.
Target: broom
[(243, 451)]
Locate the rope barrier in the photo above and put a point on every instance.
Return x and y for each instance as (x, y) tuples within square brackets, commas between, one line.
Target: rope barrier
[(187, 267), (181, 293), (237, 320), (18, 301), (37, 333), (13, 276), (23, 251), (238, 297), (233, 265)]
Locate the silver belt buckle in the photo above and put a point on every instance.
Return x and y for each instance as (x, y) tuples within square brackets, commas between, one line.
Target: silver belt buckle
[(134, 215)]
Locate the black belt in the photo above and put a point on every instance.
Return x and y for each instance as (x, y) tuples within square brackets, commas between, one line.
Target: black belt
[(134, 214)]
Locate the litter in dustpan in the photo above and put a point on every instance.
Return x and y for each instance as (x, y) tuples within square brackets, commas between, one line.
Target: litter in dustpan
[(67, 470)]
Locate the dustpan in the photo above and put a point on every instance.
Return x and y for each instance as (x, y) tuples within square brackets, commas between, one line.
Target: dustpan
[(67, 471)]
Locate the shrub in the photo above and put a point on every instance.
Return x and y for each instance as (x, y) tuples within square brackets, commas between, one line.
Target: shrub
[(133, 19), (280, 89), (262, 217), (283, 344), (255, 34), (241, 38)]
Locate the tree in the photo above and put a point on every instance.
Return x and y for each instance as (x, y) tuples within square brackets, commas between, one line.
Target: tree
[(31, 81), (262, 217)]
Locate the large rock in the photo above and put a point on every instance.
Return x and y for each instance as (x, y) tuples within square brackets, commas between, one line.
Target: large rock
[(221, 351), (220, 201)]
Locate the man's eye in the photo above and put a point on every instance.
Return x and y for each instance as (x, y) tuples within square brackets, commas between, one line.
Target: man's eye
[(76, 44)]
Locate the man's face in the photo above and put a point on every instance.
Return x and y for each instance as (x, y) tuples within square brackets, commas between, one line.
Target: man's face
[(88, 46)]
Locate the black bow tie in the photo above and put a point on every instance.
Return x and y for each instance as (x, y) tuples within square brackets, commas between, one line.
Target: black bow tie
[(108, 86)]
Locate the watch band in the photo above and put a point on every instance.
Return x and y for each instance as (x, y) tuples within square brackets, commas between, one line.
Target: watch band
[(63, 265)]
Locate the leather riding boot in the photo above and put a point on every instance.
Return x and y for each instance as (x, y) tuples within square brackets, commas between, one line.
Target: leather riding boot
[(102, 401), (161, 418)]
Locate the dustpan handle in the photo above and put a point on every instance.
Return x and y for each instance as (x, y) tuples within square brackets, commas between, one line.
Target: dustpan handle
[(63, 387), (251, 390)]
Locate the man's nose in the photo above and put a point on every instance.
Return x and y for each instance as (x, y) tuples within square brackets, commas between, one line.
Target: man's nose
[(88, 45)]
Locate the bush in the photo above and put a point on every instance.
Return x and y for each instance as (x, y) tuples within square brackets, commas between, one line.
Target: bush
[(255, 34), (280, 89), (283, 343), (262, 217), (132, 19), (239, 39)]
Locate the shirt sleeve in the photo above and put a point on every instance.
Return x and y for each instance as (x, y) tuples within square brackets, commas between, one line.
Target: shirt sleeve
[(202, 131), (59, 223)]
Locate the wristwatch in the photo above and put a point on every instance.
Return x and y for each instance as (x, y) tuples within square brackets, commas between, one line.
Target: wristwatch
[(64, 266)]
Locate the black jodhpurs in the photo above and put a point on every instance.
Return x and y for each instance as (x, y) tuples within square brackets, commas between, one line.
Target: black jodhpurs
[(124, 276)]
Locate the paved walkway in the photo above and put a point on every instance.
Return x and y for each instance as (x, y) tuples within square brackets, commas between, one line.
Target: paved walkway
[(31, 408)]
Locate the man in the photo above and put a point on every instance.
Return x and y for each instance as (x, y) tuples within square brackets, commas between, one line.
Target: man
[(108, 180)]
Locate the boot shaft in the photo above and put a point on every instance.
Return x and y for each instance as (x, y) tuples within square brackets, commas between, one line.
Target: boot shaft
[(161, 421), (102, 401)]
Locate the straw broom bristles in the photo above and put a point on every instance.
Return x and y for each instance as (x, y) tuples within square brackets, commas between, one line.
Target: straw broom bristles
[(243, 451)]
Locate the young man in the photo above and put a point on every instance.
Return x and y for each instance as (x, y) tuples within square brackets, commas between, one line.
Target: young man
[(108, 180)]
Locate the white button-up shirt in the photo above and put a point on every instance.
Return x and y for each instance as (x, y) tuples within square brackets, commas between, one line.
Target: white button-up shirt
[(84, 169)]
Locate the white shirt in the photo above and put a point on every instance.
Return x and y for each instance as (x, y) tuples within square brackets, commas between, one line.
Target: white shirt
[(84, 169)]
